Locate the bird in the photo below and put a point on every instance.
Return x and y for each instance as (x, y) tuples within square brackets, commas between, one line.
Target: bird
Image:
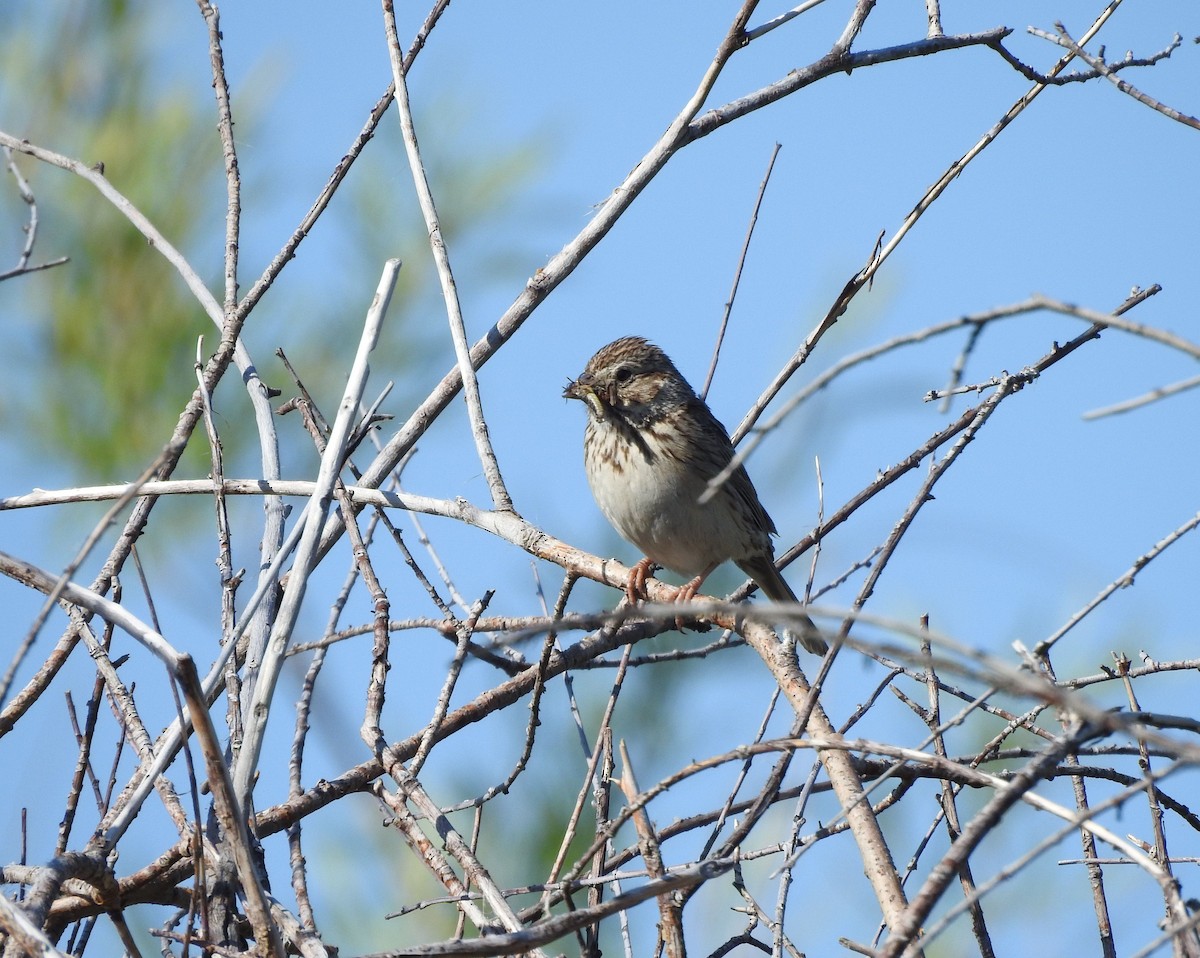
[(650, 449)]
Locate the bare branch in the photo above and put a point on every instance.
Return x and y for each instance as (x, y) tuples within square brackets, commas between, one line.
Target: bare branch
[(441, 257), (31, 228), (1109, 72), (737, 274)]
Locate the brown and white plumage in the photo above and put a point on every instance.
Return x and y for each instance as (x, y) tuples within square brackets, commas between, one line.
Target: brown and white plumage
[(650, 449)]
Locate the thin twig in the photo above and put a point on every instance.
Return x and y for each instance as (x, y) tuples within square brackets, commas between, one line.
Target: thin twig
[(1161, 852), (465, 631), (263, 688), (140, 222), (551, 929), (15, 708), (235, 832), (457, 847), (670, 929), (441, 258), (772, 24), (949, 806), (233, 181), (1106, 70), (1145, 399), (1121, 582), (598, 752), (31, 228), (880, 255), (431, 856), (288, 251), (737, 273)]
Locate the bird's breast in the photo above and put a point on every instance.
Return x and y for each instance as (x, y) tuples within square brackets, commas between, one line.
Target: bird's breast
[(648, 491)]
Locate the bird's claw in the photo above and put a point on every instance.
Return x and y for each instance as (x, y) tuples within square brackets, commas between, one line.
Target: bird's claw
[(635, 587), (635, 592), (685, 593)]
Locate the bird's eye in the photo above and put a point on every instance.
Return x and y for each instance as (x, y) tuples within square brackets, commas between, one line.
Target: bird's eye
[(624, 374)]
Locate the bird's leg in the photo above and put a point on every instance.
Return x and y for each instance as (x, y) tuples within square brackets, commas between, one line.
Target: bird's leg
[(635, 587)]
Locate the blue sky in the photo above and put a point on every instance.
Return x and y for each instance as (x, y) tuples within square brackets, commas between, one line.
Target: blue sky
[(1087, 195)]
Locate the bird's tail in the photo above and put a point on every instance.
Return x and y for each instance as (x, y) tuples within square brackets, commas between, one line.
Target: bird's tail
[(762, 570)]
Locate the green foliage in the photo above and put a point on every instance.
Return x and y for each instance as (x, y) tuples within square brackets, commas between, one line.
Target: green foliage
[(113, 333), (115, 328)]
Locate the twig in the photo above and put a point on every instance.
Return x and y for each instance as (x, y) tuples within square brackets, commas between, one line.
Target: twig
[(431, 857), (949, 808), (1174, 933), (934, 14), (535, 700), (1161, 852), (766, 795), (670, 929), (441, 258), (598, 752), (15, 709), (1083, 819), (415, 794), (228, 811), (1008, 386), (757, 914), (1015, 382), (551, 929), (1109, 73), (465, 631), (1095, 873), (977, 778), (233, 182), (602, 801), (1144, 400), (296, 788), (24, 933), (756, 32), (83, 764), (858, 19), (864, 276), (229, 582), (262, 690), (1116, 320), (974, 321), (288, 252), (1122, 582), (1079, 76), (96, 177), (31, 228), (737, 273)]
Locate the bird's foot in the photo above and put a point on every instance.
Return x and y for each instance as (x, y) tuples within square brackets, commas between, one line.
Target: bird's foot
[(635, 586), (685, 593)]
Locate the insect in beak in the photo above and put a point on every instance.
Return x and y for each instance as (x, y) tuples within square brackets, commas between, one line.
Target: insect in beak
[(576, 389)]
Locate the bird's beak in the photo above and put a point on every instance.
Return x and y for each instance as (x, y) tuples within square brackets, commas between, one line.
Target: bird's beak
[(583, 391)]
